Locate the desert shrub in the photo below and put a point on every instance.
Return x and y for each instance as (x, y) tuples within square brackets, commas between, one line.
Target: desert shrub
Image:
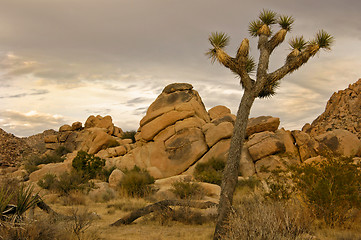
[(80, 221), (61, 151), (211, 171), (65, 183), (129, 135), (127, 204), (68, 182), (75, 197), (48, 181), (30, 168), (250, 182), (331, 188), (33, 161), (105, 173), (39, 229), (257, 219), (88, 165), (281, 187), (136, 182), (184, 214), (187, 190)]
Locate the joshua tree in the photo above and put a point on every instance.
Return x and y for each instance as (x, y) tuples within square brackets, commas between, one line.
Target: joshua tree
[(263, 86)]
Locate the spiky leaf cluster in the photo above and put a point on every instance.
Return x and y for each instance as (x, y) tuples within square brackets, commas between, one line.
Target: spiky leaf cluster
[(269, 90), (217, 40), (324, 40), (253, 27), (286, 22), (25, 199), (268, 17), (298, 43), (250, 65)]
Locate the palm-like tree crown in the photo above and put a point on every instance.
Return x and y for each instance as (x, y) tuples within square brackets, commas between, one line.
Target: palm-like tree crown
[(218, 40), (268, 17), (286, 22), (298, 43), (324, 40)]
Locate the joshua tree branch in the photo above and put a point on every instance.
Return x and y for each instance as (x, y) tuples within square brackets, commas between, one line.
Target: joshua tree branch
[(277, 39), (242, 58), (293, 63)]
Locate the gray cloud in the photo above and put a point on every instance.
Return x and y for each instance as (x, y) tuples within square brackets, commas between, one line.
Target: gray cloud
[(25, 124), (34, 92), (125, 52)]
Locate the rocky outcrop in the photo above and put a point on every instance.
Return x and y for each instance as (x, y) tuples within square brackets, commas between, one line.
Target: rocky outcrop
[(12, 149), (262, 124), (170, 136), (99, 133), (264, 144), (342, 112), (339, 142)]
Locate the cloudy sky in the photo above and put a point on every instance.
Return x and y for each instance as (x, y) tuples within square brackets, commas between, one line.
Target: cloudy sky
[(63, 60)]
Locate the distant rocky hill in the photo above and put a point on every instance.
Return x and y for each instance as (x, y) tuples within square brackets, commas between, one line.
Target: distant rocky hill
[(12, 149), (343, 111)]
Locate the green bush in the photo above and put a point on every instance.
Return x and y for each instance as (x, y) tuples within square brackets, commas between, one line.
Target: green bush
[(136, 182), (211, 171), (61, 151), (280, 185), (33, 161), (48, 181), (250, 182), (65, 183), (187, 190), (105, 173), (88, 165), (129, 135), (331, 188)]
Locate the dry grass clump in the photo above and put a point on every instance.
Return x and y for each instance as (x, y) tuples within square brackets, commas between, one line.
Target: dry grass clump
[(256, 218), (187, 190), (137, 182), (184, 214), (42, 229), (126, 204)]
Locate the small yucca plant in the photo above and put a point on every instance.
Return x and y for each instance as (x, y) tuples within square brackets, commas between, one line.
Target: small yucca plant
[(25, 199), (5, 197)]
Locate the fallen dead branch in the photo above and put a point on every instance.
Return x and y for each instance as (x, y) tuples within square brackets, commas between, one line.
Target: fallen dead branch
[(161, 206)]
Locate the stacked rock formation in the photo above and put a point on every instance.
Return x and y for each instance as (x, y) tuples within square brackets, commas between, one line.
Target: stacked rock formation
[(170, 137), (98, 133), (343, 111), (177, 133)]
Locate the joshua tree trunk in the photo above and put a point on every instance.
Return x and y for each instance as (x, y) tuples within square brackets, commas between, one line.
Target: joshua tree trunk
[(263, 86), (231, 170)]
